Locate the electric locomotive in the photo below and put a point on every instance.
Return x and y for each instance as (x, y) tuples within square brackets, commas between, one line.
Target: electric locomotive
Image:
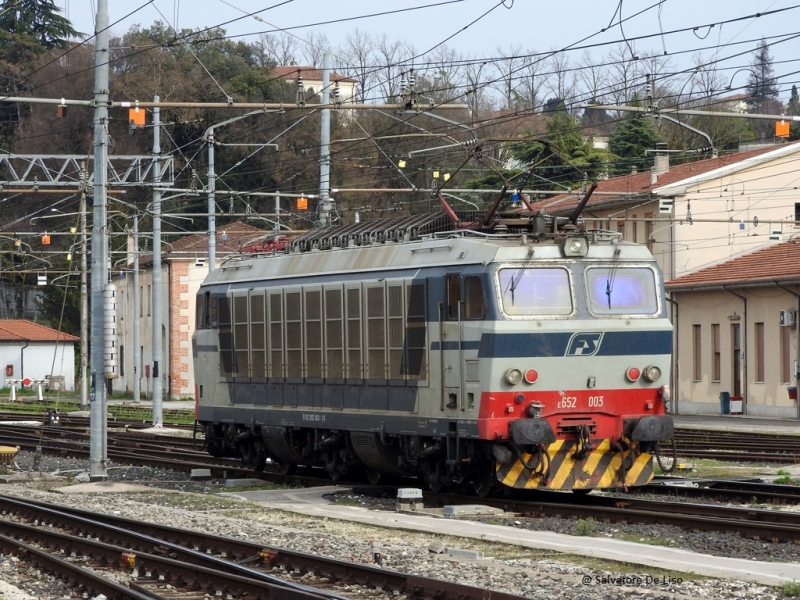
[(502, 349)]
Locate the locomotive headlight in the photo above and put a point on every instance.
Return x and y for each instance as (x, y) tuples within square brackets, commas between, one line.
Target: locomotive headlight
[(513, 376), (576, 246), (633, 374), (651, 373)]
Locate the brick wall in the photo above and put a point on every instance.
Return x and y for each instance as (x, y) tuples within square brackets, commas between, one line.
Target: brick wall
[(179, 334)]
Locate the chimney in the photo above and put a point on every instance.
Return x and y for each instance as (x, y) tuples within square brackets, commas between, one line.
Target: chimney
[(661, 163), (653, 176)]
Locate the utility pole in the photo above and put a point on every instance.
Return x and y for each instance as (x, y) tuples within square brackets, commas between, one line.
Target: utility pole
[(98, 460), (324, 145), (137, 304), (158, 388), (212, 205), (84, 300)]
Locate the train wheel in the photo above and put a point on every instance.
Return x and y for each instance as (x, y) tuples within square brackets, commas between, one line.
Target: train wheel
[(485, 482), (373, 476), (582, 491), (283, 468)]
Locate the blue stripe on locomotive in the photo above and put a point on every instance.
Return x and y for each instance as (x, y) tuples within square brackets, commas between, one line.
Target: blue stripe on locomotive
[(539, 345)]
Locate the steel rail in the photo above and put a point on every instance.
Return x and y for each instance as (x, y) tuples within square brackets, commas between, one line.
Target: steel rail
[(200, 547)]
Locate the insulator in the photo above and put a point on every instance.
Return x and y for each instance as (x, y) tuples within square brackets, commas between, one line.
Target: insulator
[(300, 84), (110, 358), (412, 80)]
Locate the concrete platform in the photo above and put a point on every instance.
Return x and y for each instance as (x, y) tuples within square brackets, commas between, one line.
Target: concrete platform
[(311, 503)]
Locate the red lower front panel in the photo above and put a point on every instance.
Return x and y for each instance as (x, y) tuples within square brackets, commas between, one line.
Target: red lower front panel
[(602, 410)]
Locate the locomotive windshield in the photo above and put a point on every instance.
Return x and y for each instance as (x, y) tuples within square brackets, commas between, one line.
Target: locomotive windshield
[(535, 291), (622, 291)]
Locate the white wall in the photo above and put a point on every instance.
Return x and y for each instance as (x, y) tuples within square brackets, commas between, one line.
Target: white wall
[(38, 360)]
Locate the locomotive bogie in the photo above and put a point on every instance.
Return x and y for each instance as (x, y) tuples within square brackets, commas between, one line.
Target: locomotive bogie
[(454, 360)]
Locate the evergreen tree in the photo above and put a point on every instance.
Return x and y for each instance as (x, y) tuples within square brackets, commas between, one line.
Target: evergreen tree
[(761, 83), (34, 25), (631, 137), (793, 108)]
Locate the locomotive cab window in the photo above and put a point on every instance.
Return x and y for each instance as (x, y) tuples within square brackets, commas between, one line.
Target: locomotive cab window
[(535, 291), (201, 311), (475, 305), (622, 291), (453, 295)]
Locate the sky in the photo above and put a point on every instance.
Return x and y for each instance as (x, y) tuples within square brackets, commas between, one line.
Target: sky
[(488, 28)]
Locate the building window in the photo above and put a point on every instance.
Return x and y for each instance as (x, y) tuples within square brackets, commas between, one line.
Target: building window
[(621, 229), (697, 371), (122, 361), (716, 355), (760, 352), (149, 300), (648, 231), (634, 230), (786, 354), (797, 214)]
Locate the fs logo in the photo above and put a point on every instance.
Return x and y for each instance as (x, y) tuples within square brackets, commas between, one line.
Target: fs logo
[(584, 344)]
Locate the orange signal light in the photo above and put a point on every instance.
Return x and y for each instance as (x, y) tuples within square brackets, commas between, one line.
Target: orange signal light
[(46, 240), (136, 116), (302, 204)]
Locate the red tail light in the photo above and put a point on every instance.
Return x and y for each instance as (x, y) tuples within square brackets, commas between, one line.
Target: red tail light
[(633, 374)]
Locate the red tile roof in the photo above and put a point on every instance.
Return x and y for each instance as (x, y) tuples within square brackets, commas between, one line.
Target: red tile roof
[(14, 330), (778, 263), (195, 245), (611, 191), (309, 73)]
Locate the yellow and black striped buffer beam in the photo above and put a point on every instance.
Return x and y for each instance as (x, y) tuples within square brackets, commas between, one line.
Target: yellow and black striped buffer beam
[(600, 468)]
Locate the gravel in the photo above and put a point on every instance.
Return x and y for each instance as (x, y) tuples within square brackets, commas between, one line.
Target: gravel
[(525, 572)]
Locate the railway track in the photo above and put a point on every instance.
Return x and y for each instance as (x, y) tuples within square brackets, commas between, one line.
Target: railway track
[(728, 445), (160, 562), (768, 525)]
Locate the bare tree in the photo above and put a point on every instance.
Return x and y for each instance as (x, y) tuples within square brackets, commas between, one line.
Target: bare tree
[(446, 75), (280, 49), (706, 79), (477, 75), (594, 77), (387, 55), (355, 59), (314, 48), (623, 73), (508, 66), (532, 80), (561, 82)]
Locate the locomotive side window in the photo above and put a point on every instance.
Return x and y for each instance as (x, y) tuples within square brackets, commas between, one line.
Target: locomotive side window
[(201, 311), (376, 334), (313, 327), (416, 366), (535, 291), (225, 336), (294, 335), (453, 295), (241, 337), (275, 335), (334, 342), (475, 304), (395, 346), (354, 333), (622, 291), (258, 348)]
